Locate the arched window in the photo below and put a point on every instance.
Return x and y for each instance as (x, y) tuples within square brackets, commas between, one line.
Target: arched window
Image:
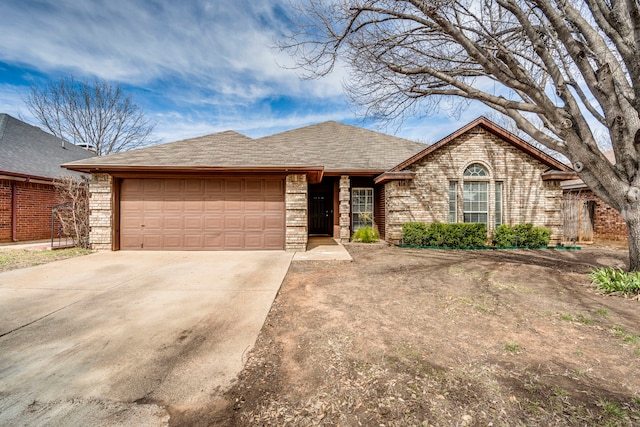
[(475, 170), (476, 194)]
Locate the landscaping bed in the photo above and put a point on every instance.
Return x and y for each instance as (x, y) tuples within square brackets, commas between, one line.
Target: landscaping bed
[(412, 337)]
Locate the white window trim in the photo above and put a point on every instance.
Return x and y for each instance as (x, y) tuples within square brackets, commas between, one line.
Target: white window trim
[(353, 211)]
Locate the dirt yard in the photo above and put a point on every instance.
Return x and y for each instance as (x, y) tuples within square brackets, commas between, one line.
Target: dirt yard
[(443, 338)]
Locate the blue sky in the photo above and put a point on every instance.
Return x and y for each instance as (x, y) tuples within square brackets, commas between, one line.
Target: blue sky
[(195, 66)]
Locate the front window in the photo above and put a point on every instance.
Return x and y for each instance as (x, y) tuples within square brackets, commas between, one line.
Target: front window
[(362, 207), (476, 195), (498, 203), (453, 205)]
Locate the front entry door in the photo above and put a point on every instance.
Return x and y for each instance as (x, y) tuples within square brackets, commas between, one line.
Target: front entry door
[(321, 213)]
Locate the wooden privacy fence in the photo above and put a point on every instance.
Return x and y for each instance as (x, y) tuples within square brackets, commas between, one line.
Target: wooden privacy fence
[(578, 216)]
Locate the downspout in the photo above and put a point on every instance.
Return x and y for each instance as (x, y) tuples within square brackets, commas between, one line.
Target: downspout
[(14, 209)]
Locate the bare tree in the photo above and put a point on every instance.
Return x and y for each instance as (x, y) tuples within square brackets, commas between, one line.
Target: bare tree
[(97, 116), (73, 212), (572, 65)]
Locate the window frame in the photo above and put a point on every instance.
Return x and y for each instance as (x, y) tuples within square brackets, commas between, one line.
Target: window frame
[(453, 202), (498, 210), (476, 181), (356, 224)]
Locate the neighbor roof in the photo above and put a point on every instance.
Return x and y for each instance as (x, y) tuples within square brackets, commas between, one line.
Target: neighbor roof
[(28, 151), (577, 183)]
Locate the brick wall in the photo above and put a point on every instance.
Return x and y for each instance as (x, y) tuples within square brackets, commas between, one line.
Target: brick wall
[(526, 198), (100, 212), (5, 211), (34, 202), (607, 222)]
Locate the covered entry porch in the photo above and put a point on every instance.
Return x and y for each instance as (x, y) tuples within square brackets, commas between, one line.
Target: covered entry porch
[(341, 204)]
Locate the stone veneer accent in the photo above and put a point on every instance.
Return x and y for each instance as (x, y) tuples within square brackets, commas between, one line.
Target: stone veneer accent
[(296, 202), (526, 198), (345, 209), (101, 212)]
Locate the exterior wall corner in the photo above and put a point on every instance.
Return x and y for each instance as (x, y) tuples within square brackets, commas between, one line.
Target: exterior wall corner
[(296, 201), (101, 212), (344, 197)]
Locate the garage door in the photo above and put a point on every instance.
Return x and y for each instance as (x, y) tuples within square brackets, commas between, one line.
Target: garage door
[(202, 214)]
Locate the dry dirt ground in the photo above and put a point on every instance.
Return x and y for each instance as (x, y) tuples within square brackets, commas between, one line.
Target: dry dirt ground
[(425, 337)]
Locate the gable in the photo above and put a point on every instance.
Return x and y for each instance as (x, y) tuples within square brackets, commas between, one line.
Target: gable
[(480, 146), (498, 133)]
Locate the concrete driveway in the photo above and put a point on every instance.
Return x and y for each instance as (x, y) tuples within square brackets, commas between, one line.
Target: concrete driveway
[(129, 338)]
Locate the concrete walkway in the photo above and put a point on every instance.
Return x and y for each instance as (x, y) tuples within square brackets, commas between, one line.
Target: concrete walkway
[(323, 249), (123, 338)]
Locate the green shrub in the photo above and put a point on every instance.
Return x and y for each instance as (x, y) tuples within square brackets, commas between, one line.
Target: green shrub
[(366, 235), (437, 234), (503, 236), (465, 235), (414, 233), (609, 280), (521, 235)]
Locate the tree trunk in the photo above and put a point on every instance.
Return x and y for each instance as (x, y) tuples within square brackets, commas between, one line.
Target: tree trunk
[(632, 218)]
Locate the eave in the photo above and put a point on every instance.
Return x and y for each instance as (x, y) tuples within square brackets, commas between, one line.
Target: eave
[(353, 172), (13, 176), (314, 173), (556, 175), (394, 176)]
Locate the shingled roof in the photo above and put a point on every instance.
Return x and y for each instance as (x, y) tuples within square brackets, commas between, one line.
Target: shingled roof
[(28, 151), (339, 147), (219, 150), (330, 145)]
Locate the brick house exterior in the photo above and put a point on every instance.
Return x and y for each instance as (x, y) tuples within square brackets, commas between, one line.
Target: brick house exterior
[(333, 179), (29, 163), (33, 203), (517, 183)]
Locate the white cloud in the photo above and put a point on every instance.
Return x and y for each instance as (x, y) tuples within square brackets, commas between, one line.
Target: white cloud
[(219, 46)]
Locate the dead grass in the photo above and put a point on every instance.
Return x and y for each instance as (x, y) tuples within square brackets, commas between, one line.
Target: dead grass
[(12, 259), (409, 337)]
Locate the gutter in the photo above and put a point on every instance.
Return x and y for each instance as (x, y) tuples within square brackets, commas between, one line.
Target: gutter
[(314, 173)]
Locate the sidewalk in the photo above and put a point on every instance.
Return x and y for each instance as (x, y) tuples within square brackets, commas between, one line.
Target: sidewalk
[(323, 249), (37, 245)]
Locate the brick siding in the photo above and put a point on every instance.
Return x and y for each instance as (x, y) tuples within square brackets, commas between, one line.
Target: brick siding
[(526, 198), (608, 224), (34, 202)]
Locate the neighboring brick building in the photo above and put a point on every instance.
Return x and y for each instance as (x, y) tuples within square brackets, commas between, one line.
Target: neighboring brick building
[(599, 221), (228, 191), (29, 162)]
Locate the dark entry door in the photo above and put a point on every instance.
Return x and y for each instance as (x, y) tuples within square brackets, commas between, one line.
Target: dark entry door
[(320, 213)]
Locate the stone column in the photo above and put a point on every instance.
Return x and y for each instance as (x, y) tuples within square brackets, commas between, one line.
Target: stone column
[(101, 212), (297, 233), (345, 209)]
